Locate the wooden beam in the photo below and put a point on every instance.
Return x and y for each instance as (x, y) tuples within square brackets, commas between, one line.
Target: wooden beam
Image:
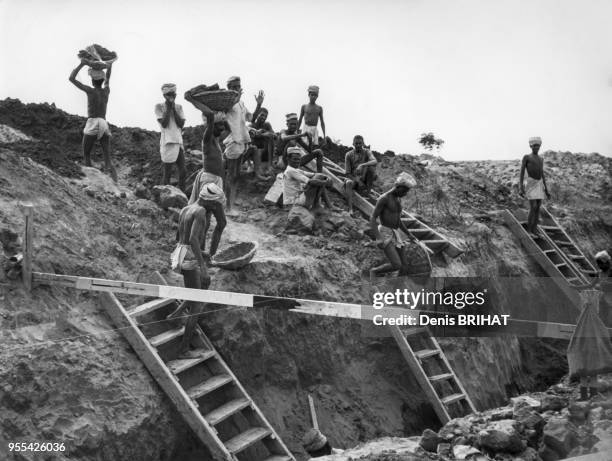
[(313, 412), (26, 269), (304, 306)]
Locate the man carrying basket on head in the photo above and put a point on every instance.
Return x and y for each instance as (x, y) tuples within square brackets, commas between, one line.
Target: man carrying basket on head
[(96, 127)]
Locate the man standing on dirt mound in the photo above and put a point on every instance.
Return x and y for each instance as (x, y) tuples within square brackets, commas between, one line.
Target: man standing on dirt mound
[(96, 127), (536, 189), (171, 119), (238, 143)]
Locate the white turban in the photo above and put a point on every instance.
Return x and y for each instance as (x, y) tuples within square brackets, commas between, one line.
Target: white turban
[(211, 191), (313, 89), (603, 256), (220, 117), (168, 88), (294, 150), (405, 179), (96, 74), (535, 140)]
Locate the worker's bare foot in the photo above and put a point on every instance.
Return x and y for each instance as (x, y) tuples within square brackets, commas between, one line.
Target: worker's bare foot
[(189, 354)]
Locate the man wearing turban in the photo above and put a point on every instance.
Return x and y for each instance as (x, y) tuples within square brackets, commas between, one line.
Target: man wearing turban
[(171, 120), (388, 237), (293, 137), (535, 190), (96, 127), (311, 113)]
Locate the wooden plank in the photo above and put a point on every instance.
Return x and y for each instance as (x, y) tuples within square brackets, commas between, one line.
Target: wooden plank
[(179, 365), (211, 384), (226, 410), (166, 336), (534, 250), (313, 412), (419, 374), (244, 440), (164, 378), (26, 269), (426, 353), (442, 377), (149, 306), (452, 399)]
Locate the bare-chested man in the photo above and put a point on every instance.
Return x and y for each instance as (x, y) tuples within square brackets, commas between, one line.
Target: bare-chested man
[(303, 187), (292, 137), (188, 259), (96, 127), (211, 173), (262, 136), (360, 167), (311, 113), (536, 189), (388, 237)]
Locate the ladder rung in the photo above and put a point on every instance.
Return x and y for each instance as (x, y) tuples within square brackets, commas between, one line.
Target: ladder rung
[(226, 410), (208, 386), (563, 243), (549, 227), (435, 242), (576, 257), (549, 251), (414, 331), (425, 353), (246, 439), (441, 377), (278, 458), (423, 231), (166, 336), (572, 279), (452, 398), (560, 265), (588, 271), (149, 306), (179, 365)]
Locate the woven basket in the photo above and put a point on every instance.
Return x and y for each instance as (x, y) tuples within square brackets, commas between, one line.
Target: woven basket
[(97, 57), (218, 100), (236, 256), (419, 263)]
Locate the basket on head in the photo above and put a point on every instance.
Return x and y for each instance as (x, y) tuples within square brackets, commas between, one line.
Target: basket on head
[(419, 263), (217, 100), (97, 57), (235, 256)]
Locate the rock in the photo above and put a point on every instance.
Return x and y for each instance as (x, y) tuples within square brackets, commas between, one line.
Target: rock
[(174, 214), (463, 451), (430, 440), (501, 436), (169, 197), (525, 400), (479, 229), (560, 435), (444, 449), (142, 192), (578, 411), (143, 207), (529, 454), (596, 414), (553, 402), (300, 219), (95, 182), (529, 418), (501, 413), (548, 454)]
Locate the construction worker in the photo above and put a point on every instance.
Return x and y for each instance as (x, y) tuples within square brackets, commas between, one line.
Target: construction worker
[(536, 189), (317, 445)]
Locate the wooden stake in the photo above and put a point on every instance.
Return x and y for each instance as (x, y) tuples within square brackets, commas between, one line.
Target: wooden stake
[(313, 413), (26, 271)]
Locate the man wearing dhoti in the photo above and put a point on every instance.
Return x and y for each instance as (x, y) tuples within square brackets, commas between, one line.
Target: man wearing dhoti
[(171, 120), (534, 189), (96, 127)]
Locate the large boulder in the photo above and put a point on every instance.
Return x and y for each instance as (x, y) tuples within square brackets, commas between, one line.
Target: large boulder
[(553, 402), (143, 207), (169, 197), (300, 220), (430, 440), (560, 435), (501, 436)]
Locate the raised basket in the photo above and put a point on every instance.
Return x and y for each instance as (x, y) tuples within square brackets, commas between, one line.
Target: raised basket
[(236, 256), (216, 100), (97, 57)]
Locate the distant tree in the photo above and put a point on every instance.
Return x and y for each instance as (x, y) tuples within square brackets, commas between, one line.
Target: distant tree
[(430, 142)]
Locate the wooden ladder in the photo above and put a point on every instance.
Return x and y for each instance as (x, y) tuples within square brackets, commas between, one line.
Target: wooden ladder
[(548, 255), (433, 373), (572, 253), (204, 390), (433, 240)]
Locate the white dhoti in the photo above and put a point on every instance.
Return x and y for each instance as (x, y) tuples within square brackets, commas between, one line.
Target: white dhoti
[(313, 132), (392, 236), (97, 127), (534, 189), (232, 149), (182, 258), (170, 151)]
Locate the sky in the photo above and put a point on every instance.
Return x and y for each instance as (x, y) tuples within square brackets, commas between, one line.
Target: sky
[(482, 75)]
